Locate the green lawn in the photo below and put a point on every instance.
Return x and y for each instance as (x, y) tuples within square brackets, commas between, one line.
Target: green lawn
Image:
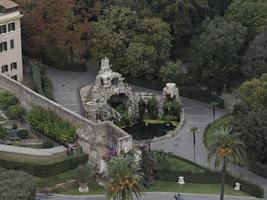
[(178, 165), (53, 180), (226, 120), (163, 186)]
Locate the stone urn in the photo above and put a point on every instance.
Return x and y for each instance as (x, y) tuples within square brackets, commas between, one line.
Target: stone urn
[(83, 187)]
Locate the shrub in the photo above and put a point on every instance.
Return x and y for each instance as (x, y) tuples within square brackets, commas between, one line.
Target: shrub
[(16, 112), (3, 132), (16, 185), (23, 134), (45, 170), (47, 87), (37, 79), (125, 119), (153, 107), (48, 144), (172, 109), (7, 99), (48, 123), (82, 173)]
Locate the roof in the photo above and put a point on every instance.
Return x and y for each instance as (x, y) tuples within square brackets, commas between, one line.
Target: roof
[(8, 4)]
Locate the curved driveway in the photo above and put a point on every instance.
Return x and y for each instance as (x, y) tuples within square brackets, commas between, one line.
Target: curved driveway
[(66, 86)]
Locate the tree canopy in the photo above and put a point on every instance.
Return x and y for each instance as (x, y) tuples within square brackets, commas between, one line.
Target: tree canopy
[(216, 53)]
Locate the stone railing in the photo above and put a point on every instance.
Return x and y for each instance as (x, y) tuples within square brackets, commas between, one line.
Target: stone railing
[(89, 133)]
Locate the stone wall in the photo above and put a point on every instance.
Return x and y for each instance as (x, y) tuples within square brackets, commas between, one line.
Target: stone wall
[(89, 133)]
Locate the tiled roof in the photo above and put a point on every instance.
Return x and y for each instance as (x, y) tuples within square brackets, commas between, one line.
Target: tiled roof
[(8, 4)]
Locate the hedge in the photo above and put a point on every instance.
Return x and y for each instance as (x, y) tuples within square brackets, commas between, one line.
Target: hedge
[(16, 185), (210, 177), (45, 170), (258, 168)]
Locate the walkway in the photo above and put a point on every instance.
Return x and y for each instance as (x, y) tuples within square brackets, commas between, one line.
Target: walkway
[(66, 85), (149, 196)]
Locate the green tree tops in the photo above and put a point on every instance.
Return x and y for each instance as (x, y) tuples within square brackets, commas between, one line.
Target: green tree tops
[(124, 178), (216, 53)]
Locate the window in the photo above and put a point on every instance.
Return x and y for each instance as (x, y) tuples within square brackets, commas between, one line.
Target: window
[(2, 29), (4, 68), (3, 46), (11, 27), (13, 65), (14, 77), (12, 45)]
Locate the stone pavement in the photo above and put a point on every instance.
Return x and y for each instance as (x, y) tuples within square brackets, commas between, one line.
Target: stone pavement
[(66, 85), (149, 196)]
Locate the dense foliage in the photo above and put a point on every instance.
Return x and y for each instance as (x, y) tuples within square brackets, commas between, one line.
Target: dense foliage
[(253, 94), (216, 54), (253, 127), (17, 185), (47, 122)]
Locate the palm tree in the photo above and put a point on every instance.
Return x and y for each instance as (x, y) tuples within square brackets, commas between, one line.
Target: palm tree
[(226, 147), (124, 178), (194, 131)]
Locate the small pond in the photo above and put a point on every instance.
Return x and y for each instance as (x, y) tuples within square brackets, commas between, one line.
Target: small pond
[(143, 131)]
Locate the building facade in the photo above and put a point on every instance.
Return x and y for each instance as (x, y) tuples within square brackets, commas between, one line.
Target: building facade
[(10, 40)]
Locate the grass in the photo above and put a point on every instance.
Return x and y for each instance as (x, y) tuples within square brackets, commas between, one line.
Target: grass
[(163, 186), (226, 120), (178, 165), (160, 121), (53, 180)]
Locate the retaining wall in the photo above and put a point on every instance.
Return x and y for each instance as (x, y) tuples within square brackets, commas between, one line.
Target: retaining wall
[(89, 133)]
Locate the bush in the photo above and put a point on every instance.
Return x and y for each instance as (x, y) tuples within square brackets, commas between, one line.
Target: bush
[(23, 134), (45, 170), (125, 119), (152, 108), (48, 123), (16, 112), (47, 87), (82, 173), (172, 110), (37, 79), (48, 144), (7, 99), (3, 132), (17, 185)]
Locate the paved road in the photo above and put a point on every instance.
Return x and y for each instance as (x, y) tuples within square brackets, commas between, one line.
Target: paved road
[(150, 196), (66, 86)]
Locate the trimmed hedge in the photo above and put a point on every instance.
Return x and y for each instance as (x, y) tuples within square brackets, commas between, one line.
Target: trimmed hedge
[(16, 185), (45, 170), (209, 177), (258, 169)]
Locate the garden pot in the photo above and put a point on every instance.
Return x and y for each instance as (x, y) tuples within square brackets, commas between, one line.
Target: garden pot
[(83, 187)]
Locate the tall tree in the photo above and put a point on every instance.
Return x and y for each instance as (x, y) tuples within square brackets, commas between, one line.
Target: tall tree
[(216, 54), (250, 13), (124, 178), (255, 58), (225, 148), (53, 31), (253, 125)]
